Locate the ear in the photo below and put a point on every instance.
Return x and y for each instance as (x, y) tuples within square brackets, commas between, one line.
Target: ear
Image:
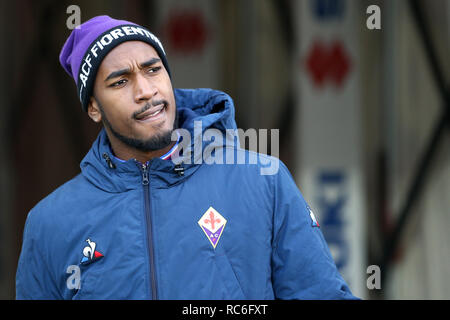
[(94, 110)]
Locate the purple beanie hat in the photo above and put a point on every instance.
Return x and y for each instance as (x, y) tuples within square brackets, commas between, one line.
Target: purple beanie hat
[(89, 44)]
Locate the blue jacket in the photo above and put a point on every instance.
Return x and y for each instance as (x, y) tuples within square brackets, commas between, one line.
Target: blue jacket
[(129, 231)]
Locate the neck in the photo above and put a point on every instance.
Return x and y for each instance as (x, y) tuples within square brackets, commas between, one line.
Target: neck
[(125, 152)]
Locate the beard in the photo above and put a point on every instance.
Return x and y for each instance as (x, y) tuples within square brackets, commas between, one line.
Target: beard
[(158, 141)]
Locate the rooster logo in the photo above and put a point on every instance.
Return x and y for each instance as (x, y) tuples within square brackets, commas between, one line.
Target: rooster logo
[(89, 253)]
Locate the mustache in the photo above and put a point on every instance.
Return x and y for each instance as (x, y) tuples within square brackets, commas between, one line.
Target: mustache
[(148, 106)]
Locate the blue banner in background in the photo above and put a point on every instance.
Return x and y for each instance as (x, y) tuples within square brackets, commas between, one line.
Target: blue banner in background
[(328, 9)]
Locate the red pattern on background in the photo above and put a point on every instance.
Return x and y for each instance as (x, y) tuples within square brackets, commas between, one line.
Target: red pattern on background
[(330, 63), (186, 31)]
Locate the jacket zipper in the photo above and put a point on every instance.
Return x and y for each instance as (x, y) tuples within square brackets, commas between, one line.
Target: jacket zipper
[(148, 221)]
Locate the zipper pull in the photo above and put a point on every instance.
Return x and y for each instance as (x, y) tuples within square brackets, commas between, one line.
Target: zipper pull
[(111, 165), (179, 169), (145, 180)]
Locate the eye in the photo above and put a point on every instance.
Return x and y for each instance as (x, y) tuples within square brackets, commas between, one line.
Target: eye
[(119, 83), (153, 69)]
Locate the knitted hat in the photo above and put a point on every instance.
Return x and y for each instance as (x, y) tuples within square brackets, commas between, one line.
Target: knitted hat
[(89, 44)]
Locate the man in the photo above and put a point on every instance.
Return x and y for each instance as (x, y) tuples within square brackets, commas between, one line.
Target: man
[(138, 224)]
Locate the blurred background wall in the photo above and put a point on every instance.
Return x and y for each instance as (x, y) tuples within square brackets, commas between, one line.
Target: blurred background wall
[(385, 120)]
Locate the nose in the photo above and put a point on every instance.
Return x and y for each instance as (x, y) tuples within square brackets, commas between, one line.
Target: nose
[(145, 89)]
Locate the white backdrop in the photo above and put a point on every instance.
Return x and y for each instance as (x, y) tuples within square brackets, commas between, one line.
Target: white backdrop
[(329, 154), (189, 31)]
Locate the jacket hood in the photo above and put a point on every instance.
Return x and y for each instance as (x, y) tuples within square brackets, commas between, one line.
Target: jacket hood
[(196, 108)]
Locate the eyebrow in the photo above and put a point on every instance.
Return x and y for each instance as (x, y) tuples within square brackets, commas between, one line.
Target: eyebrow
[(150, 62), (118, 73)]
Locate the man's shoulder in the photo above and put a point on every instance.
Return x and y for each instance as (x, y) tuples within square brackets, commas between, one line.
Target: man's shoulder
[(265, 168), (61, 199)]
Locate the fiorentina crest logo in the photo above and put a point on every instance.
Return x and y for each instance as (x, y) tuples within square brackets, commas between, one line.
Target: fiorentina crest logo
[(212, 224)]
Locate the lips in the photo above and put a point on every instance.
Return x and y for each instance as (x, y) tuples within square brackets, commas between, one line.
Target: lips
[(151, 113)]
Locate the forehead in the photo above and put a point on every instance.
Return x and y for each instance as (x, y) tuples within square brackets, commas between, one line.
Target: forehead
[(127, 53)]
